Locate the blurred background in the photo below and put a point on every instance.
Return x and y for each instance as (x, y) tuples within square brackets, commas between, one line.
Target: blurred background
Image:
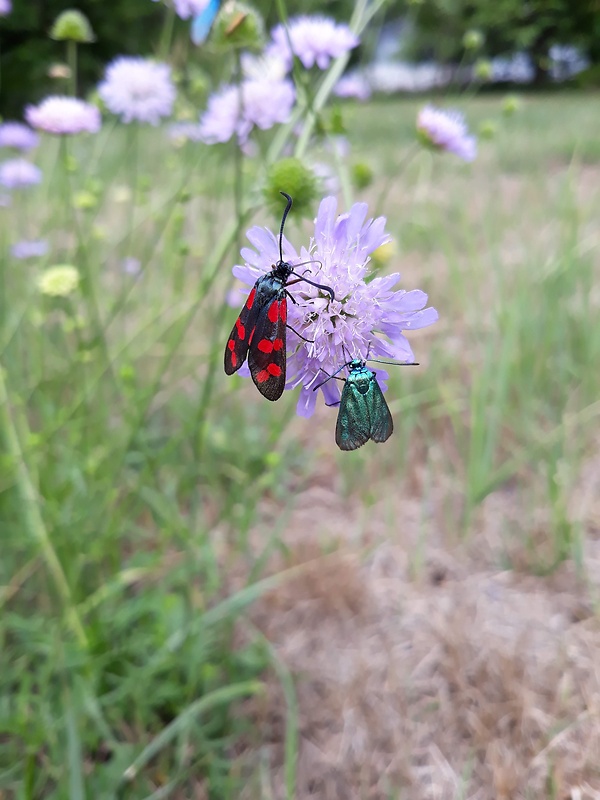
[(201, 596)]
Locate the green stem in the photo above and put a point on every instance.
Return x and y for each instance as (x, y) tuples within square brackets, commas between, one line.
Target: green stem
[(72, 62), (166, 36), (30, 506), (360, 18)]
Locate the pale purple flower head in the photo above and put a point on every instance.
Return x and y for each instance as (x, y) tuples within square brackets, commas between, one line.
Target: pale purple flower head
[(17, 173), (353, 85), (64, 115), (5, 8), (189, 8), (446, 130), (185, 131), (29, 249), (238, 109), (367, 316), (17, 136), (315, 40), (138, 89)]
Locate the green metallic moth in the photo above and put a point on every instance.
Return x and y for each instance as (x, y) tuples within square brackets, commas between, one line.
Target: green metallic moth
[(363, 411)]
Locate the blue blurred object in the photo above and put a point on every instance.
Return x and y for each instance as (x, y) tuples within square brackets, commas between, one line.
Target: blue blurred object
[(202, 23)]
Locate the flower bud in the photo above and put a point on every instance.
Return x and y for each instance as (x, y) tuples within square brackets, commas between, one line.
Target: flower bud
[(291, 176), (73, 25)]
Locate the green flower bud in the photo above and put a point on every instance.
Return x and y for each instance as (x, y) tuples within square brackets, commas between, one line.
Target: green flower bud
[(73, 25), (362, 175), (291, 176), (483, 69), (488, 129), (511, 104), (84, 200), (238, 25), (473, 40)]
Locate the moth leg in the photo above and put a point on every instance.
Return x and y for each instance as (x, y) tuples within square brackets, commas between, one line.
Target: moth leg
[(299, 334)]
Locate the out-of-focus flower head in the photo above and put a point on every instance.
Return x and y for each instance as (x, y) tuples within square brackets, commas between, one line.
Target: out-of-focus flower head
[(446, 130), (18, 136), (5, 8), (315, 40), (64, 115), (264, 67), (29, 249), (353, 85), (138, 89), (60, 280), (367, 316), (189, 8), (17, 173), (73, 25), (238, 109), (184, 131)]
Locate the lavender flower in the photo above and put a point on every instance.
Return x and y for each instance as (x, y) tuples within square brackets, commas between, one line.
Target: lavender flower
[(446, 130), (64, 115), (360, 316), (189, 8), (315, 40), (18, 136), (237, 109), (5, 8), (17, 173), (181, 132), (138, 89), (353, 85), (29, 249)]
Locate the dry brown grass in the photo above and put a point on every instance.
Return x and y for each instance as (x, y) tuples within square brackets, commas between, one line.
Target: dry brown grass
[(452, 679)]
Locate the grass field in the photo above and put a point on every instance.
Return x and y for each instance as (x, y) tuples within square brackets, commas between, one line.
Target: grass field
[(201, 596)]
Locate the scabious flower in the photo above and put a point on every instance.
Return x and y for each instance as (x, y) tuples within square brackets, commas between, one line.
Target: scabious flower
[(238, 109), (367, 316), (184, 131), (29, 249), (138, 89), (17, 136), (189, 8), (353, 85), (315, 40), (5, 8), (60, 280), (64, 115), (17, 173), (446, 130)]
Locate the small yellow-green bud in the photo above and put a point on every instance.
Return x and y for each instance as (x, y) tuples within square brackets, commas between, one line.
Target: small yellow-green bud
[(511, 104), (290, 175), (473, 40), (84, 200), (238, 25), (60, 280), (362, 175), (384, 253), (487, 129), (73, 25), (483, 69)]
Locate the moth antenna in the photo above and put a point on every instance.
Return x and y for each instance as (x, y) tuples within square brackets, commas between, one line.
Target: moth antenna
[(395, 363), (283, 219), (318, 386)]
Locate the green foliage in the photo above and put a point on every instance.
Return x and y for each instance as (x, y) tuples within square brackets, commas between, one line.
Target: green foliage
[(507, 26), (128, 26)]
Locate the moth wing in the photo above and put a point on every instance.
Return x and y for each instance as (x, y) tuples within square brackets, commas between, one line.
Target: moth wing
[(266, 355), (236, 348), (382, 425), (353, 427)]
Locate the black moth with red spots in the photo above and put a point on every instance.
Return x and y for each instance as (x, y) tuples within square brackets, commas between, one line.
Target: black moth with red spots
[(260, 330)]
